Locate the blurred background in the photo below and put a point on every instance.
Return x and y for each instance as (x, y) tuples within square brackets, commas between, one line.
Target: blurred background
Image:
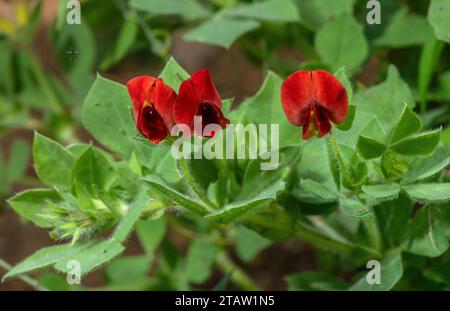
[(47, 67)]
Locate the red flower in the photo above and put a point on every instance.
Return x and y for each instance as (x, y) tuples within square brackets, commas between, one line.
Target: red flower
[(314, 100), (152, 105), (199, 97)]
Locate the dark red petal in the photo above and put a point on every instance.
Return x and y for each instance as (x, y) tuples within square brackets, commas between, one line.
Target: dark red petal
[(211, 114), (330, 94), (322, 121), (309, 128), (196, 90), (296, 96), (152, 125), (138, 88)]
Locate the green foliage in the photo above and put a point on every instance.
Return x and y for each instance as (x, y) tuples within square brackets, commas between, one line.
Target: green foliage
[(405, 30), (221, 31), (392, 272), (438, 16), (269, 10), (337, 50), (186, 8), (52, 162)]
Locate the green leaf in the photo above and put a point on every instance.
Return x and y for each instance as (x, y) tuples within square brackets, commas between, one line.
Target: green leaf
[(172, 194), (420, 144), (429, 193), (408, 124), (315, 13), (391, 272), (337, 50), (44, 258), (238, 208), (386, 101), (256, 180), (107, 115), (93, 171), (133, 214), (370, 148), (265, 108), (150, 233), (314, 281), (249, 243), (52, 162), (173, 74), (427, 234), (314, 192), (199, 261), (30, 203), (128, 270), (382, 192), (405, 30), (221, 31), (392, 217), (189, 9), (439, 18), (91, 257), (422, 168), (269, 10), (341, 75)]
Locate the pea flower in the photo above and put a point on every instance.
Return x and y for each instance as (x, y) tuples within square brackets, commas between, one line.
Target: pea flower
[(314, 100), (198, 97), (152, 106)]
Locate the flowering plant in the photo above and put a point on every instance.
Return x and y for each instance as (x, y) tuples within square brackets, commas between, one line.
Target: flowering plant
[(363, 178)]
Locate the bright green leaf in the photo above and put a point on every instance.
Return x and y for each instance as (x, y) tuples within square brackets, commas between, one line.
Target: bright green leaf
[(391, 272), (382, 192), (91, 257), (187, 8), (52, 162), (428, 193), (222, 32), (420, 144), (439, 18), (405, 30), (174, 195), (422, 168), (93, 171), (408, 124), (30, 203), (337, 50), (45, 257), (173, 74), (370, 148), (268, 10), (107, 115), (237, 208)]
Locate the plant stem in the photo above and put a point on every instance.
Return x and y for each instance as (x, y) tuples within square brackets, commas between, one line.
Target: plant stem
[(26, 279), (372, 232), (193, 185), (238, 276)]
